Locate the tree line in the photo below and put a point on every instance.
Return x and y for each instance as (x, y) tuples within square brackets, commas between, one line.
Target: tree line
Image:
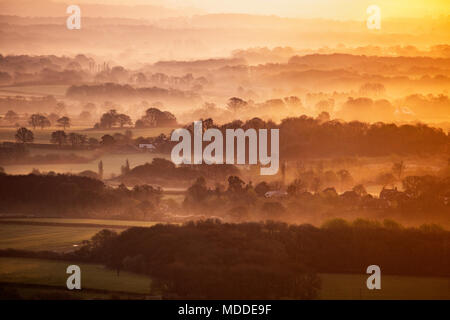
[(300, 137), (424, 198), (72, 195), (164, 172), (266, 260), (305, 136)]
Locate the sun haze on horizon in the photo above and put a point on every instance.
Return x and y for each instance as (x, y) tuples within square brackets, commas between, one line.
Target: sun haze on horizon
[(328, 9)]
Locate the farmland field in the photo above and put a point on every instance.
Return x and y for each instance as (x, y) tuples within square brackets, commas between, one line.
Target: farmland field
[(111, 163), (353, 286), (59, 235), (53, 273), (55, 238), (63, 237), (334, 286)]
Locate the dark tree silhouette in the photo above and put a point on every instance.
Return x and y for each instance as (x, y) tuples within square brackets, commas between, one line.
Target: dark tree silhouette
[(24, 135), (235, 104), (107, 140), (11, 116), (123, 119), (38, 120), (58, 137), (100, 169), (77, 139), (64, 122)]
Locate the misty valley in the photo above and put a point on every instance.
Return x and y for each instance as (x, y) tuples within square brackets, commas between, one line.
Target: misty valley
[(176, 152)]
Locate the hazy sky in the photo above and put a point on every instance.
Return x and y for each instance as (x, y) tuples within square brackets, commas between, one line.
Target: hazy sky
[(337, 9)]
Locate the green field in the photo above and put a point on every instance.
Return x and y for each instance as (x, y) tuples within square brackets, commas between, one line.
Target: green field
[(353, 286), (61, 238), (334, 286), (62, 234), (53, 273), (30, 237)]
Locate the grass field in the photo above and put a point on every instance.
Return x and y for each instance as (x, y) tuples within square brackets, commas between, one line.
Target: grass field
[(30, 237), (59, 238), (53, 273), (353, 287), (111, 163), (334, 286)]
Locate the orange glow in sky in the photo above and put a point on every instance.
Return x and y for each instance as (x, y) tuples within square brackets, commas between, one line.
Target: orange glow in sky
[(335, 9)]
